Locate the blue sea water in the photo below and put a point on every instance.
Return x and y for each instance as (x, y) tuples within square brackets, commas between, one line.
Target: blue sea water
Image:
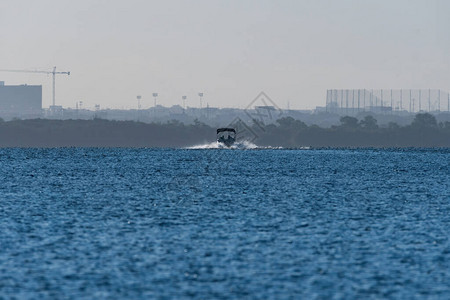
[(212, 223)]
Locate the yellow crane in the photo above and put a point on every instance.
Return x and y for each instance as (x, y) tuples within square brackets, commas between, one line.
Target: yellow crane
[(53, 72)]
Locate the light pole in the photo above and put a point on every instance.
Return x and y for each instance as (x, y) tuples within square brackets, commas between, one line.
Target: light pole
[(79, 104), (155, 95), (201, 96), (184, 101), (138, 97)]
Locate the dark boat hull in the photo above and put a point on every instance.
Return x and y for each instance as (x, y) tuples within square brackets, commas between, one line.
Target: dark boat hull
[(226, 142)]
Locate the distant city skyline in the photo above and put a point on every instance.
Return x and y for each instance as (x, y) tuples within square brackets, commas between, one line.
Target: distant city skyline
[(229, 50)]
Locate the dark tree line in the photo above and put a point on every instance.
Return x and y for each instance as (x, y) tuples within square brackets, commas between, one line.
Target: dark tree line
[(101, 133), (424, 131)]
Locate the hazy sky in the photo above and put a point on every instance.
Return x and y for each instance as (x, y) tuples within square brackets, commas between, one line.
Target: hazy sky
[(230, 50)]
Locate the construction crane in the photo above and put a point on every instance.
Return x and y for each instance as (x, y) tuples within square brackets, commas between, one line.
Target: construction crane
[(54, 73)]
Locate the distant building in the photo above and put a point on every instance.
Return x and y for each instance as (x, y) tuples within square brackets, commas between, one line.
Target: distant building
[(20, 101)]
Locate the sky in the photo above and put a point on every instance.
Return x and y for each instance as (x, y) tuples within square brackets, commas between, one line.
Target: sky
[(228, 49)]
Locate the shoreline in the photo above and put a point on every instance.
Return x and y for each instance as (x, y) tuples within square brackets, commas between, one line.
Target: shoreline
[(99, 133)]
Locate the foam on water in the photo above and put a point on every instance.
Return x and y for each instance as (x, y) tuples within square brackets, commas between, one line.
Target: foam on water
[(239, 145)]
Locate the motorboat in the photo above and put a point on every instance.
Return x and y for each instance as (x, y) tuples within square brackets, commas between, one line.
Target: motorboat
[(226, 136)]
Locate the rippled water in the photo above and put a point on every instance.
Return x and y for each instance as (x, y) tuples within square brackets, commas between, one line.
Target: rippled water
[(204, 224)]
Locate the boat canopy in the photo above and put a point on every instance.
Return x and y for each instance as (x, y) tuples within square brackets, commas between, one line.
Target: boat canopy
[(226, 129)]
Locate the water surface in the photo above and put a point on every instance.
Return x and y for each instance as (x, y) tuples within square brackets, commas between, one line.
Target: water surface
[(214, 223)]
